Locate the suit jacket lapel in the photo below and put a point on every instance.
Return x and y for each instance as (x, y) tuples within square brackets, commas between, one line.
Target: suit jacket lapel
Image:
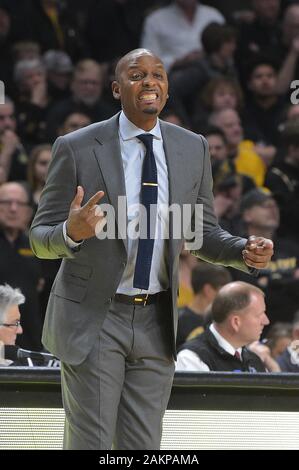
[(176, 177), (110, 163), (175, 163)]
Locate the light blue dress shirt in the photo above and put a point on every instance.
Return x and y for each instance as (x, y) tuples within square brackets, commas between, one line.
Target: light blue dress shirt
[(133, 153)]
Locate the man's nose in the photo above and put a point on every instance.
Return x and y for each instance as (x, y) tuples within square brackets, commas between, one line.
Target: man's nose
[(13, 205), (149, 80)]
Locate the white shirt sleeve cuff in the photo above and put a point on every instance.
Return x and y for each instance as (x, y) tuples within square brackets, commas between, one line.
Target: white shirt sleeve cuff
[(70, 243)]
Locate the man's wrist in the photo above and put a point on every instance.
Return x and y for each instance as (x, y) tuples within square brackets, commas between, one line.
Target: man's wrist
[(69, 241)]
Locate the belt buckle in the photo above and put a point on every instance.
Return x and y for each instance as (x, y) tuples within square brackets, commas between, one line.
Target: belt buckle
[(136, 299)]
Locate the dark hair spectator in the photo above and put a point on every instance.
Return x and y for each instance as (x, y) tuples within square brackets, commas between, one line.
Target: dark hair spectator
[(206, 280), (216, 35), (73, 121), (264, 110)]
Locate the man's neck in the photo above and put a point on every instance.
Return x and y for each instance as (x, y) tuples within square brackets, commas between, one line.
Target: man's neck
[(147, 124), (189, 12), (199, 305), (225, 335)]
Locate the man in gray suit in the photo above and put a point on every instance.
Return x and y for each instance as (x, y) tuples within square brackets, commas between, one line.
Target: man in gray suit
[(112, 315)]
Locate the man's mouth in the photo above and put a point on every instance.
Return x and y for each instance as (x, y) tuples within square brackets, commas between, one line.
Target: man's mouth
[(148, 97)]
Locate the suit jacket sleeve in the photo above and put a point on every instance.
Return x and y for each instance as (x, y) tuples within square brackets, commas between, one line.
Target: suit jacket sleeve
[(46, 232), (219, 246)]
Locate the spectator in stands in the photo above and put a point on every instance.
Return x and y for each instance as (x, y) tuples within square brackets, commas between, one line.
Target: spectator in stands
[(280, 281), (217, 145), (263, 35), (288, 52), (13, 158), (283, 180), (59, 69), (38, 165), (220, 93), (18, 266), (187, 82), (10, 328), (222, 166), (33, 100), (264, 108), (289, 359), (206, 281), (10, 325), (279, 338), (86, 88), (73, 121), (229, 186), (242, 152), (239, 317), (174, 32)]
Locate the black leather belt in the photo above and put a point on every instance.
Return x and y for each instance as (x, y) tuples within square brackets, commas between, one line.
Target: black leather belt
[(140, 299)]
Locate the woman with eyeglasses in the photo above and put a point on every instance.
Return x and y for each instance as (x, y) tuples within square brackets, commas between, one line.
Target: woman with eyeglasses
[(10, 324)]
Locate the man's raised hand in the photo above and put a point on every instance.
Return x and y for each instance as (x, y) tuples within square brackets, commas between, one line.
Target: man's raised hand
[(82, 220)]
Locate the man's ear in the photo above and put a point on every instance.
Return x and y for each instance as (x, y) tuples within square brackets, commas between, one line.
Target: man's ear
[(116, 90), (235, 323)]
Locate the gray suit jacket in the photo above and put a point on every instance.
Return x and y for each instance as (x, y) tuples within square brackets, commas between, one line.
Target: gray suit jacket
[(88, 279)]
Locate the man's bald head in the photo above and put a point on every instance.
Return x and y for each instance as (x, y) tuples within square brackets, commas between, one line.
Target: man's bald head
[(233, 297), (141, 85), (135, 54)]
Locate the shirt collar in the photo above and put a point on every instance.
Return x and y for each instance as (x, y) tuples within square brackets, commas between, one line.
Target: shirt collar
[(223, 343), (129, 131)]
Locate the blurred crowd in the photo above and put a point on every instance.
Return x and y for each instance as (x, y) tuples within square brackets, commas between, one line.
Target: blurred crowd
[(233, 75)]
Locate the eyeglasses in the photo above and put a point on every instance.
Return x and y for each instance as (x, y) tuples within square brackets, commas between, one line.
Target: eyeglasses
[(9, 202), (16, 324)]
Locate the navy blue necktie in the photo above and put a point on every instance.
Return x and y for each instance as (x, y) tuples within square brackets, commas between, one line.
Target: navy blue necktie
[(149, 195)]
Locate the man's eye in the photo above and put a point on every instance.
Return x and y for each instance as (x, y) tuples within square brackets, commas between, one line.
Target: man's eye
[(159, 76), (135, 76)]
